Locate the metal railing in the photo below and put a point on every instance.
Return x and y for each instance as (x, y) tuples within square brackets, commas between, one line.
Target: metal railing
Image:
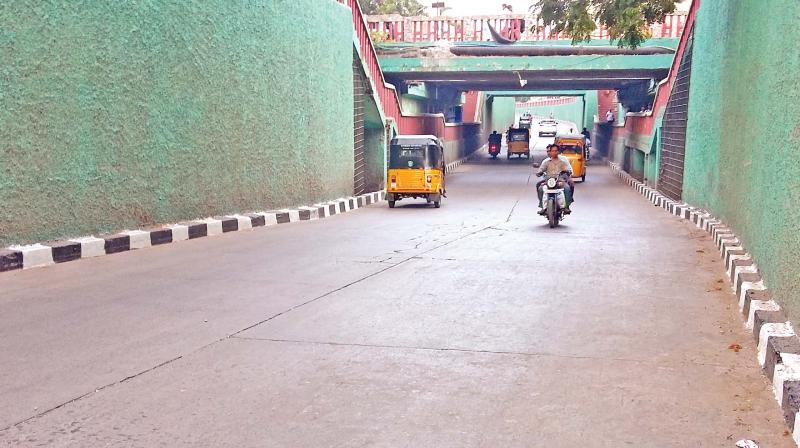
[(387, 95), (394, 28)]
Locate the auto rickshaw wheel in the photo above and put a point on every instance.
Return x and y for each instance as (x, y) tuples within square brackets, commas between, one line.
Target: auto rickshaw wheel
[(437, 204), (391, 204), (583, 178)]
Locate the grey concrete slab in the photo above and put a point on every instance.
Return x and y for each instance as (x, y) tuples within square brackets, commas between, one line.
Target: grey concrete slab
[(412, 326), (243, 393)]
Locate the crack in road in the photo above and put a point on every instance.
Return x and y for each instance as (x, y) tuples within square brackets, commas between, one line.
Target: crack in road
[(235, 334), (527, 183), (468, 350)]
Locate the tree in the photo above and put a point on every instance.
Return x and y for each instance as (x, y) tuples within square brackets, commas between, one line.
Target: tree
[(402, 7), (627, 20)]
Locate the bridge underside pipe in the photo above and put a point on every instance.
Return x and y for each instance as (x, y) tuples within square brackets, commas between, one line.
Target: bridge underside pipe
[(554, 50)]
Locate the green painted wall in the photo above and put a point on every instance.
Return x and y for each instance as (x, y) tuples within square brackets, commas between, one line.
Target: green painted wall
[(501, 113), (123, 114), (743, 135), (590, 96), (569, 112)]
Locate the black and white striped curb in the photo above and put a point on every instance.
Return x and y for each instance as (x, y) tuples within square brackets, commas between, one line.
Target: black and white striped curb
[(778, 344), (450, 167), (43, 254)]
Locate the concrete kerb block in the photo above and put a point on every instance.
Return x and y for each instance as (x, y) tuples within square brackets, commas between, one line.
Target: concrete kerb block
[(742, 268), (780, 350), (726, 243), (323, 210), (91, 246), (759, 305), (243, 222), (730, 251), (288, 215), (308, 213), (744, 308), (160, 235), (787, 370), (736, 264), (744, 280), (213, 226), (771, 330), (270, 219), (34, 255), (10, 260), (720, 229), (180, 232), (751, 290), (721, 233), (138, 239), (64, 251), (711, 224), (352, 202), (229, 224)]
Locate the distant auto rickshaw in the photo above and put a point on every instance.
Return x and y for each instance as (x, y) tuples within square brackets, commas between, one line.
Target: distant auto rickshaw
[(573, 147), (518, 142), (416, 169)]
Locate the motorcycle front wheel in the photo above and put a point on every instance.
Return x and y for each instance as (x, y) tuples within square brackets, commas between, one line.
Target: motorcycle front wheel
[(551, 213)]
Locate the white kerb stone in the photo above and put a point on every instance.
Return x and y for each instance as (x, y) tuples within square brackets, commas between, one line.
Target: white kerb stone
[(35, 255), (751, 286), (769, 330), (180, 232), (91, 246), (313, 212), (787, 370), (213, 226), (245, 223), (139, 238), (755, 305)]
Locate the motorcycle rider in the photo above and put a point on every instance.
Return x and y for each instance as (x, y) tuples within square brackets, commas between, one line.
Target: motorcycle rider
[(496, 138), (554, 165)]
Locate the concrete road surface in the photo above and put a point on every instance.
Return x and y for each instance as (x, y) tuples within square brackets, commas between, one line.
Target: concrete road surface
[(473, 325)]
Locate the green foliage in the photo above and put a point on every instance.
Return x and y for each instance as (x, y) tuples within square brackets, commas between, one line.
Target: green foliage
[(627, 20), (402, 7)]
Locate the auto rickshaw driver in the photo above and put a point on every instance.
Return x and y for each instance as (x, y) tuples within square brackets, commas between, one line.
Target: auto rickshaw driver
[(416, 169)]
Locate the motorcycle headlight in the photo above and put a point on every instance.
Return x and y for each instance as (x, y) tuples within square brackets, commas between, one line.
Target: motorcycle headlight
[(551, 183)]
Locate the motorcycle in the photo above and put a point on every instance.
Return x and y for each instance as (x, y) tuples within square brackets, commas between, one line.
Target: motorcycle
[(554, 198), (494, 150)]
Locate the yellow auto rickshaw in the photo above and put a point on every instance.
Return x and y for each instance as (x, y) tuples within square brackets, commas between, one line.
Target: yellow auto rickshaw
[(518, 140), (416, 169), (573, 147)]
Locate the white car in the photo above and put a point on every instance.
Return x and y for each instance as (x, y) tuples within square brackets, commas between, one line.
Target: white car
[(548, 128)]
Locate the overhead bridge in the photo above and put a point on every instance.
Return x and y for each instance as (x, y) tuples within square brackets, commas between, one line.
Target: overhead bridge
[(531, 66)]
